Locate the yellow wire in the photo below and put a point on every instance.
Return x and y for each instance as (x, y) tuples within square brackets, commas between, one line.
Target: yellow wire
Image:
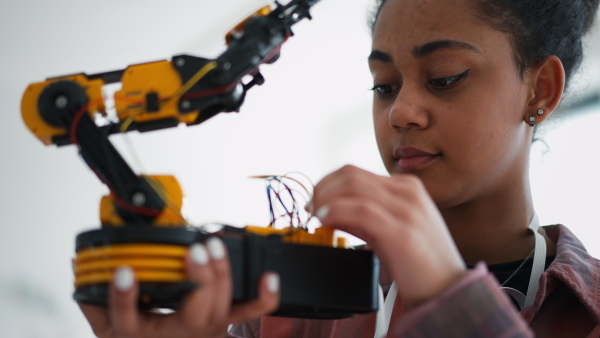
[(189, 84), (128, 122), (194, 79), (171, 206)]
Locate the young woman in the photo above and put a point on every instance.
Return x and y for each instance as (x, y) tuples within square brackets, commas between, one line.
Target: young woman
[(459, 87)]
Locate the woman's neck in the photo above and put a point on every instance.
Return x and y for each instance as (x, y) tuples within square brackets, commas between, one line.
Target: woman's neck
[(493, 229)]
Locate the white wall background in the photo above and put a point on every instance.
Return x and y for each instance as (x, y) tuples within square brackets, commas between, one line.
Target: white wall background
[(312, 116)]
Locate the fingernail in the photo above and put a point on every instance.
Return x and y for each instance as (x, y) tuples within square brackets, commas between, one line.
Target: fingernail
[(199, 254), (322, 212), (215, 247), (124, 278), (273, 283)]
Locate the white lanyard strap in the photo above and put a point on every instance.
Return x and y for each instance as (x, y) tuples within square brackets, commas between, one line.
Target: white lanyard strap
[(539, 262), (384, 314)]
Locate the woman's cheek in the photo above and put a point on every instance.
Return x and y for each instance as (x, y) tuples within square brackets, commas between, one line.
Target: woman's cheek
[(384, 135)]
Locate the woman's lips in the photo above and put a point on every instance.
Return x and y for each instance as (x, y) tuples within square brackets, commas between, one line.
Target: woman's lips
[(412, 158), (414, 162)]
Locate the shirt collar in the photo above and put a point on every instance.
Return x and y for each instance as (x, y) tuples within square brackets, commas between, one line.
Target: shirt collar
[(575, 268)]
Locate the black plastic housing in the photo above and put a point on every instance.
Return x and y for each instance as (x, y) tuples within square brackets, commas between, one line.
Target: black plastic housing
[(316, 282)]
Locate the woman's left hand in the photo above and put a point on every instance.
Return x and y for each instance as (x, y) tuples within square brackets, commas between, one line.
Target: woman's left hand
[(399, 221)]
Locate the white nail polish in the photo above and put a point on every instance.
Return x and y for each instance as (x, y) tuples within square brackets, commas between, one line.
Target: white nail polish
[(273, 283), (199, 254), (322, 212), (124, 278), (216, 248)]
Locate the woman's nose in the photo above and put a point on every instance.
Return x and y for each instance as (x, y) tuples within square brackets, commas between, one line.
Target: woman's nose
[(408, 110)]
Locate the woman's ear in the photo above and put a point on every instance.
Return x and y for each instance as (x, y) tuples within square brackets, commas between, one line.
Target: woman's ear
[(547, 86)]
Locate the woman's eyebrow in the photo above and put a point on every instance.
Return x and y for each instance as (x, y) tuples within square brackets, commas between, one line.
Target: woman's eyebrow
[(380, 56), (422, 51)]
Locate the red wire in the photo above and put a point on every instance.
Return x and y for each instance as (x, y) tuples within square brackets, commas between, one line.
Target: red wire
[(75, 122), (136, 209), (143, 210), (78, 116), (192, 95), (123, 204), (73, 136), (209, 92)]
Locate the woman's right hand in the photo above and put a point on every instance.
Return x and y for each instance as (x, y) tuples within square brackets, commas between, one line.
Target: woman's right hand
[(206, 312)]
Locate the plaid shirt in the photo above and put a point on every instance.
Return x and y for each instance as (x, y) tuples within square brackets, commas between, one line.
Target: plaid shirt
[(567, 305)]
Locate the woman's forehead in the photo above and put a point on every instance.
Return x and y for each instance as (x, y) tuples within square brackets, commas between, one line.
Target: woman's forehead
[(427, 8), (405, 26)]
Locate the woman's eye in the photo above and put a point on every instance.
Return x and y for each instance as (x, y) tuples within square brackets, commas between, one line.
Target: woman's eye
[(448, 82), (384, 91)]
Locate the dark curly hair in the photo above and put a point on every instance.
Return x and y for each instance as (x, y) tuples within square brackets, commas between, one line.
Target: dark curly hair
[(536, 28)]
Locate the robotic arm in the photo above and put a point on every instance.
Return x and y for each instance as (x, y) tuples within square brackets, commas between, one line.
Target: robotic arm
[(155, 95), (141, 220)]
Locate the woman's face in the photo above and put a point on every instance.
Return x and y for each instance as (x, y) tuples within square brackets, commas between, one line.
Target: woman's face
[(449, 104)]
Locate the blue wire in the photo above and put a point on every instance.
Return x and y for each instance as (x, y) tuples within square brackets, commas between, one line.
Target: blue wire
[(269, 188)]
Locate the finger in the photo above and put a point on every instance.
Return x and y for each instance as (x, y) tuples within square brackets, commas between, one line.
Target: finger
[(123, 302), (351, 176), (334, 179), (267, 302), (373, 224), (346, 170), (98, 318), (412, 196), (406, 186), (400, 195), (361, 217), (222, 276), (197, 306), (348, 182)]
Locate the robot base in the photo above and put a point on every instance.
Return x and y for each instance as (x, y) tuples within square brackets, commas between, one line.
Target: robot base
[(316, 281)]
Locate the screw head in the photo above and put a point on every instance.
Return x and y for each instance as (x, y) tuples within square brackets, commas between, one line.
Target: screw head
[(227, 65), (185, 104), (255, 60), (61, 102), (180, 62), (138, 199)]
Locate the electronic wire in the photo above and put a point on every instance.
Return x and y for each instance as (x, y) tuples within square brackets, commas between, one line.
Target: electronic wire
[(117, 178), (168, 213), (194, 79), (281, 195), (77, 118), (134, 155), (170, 205)]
